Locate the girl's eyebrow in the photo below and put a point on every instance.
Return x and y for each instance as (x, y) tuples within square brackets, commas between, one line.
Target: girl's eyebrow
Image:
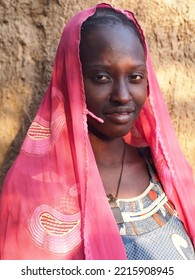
[(142, 65)]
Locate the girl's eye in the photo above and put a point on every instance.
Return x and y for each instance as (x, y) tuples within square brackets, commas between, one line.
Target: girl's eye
[(100, 78), (136, 77)]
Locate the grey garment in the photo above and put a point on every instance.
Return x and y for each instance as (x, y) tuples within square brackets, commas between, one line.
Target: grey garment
[(169, 242), (151, 229)]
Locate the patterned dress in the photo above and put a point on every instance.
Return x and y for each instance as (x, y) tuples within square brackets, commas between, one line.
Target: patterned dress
[(151, 228)]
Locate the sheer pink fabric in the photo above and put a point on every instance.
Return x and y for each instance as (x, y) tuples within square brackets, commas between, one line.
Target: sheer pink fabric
[(53, 204)]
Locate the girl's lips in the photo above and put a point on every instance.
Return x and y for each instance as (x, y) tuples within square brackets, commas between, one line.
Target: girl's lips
[(120, 115), (120, 118)]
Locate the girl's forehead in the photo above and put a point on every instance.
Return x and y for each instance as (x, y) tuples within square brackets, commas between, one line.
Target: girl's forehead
[(110, 34), (109, 37), (111, 44)]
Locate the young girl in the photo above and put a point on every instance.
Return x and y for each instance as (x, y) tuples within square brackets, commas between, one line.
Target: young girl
[(100, 174)]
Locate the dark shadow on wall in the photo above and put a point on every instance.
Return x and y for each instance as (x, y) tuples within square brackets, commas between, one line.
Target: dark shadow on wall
[(12, 153)]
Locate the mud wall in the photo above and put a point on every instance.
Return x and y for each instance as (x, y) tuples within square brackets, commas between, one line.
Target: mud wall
[(29, 34)]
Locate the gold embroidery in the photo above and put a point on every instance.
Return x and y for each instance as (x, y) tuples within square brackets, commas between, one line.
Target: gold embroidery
[(54, 226), (38, 132)]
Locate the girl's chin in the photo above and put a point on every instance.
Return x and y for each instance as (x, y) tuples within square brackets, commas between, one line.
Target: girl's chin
[(110, 133)]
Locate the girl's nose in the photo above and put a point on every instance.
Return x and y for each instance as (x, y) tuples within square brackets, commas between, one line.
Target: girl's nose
[(121, 92)]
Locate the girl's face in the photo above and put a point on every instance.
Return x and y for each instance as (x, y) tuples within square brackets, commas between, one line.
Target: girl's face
[(115, 79)]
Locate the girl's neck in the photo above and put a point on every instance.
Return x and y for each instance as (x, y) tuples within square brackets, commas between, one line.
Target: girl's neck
[(107, 152)]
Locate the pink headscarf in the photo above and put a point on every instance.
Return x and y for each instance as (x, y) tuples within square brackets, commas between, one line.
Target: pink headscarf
[(53, 203)]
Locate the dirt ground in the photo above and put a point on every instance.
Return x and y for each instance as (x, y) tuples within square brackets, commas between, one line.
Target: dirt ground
[(29, 35)]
